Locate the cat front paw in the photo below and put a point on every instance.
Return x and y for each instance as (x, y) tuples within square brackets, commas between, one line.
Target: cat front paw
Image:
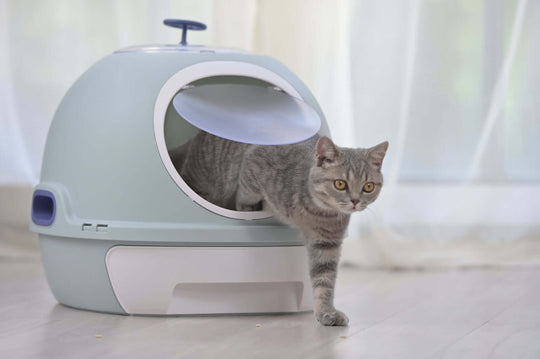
[(332, 318)]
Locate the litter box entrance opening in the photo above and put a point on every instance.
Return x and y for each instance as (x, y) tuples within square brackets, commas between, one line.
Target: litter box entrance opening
[(172, 129)]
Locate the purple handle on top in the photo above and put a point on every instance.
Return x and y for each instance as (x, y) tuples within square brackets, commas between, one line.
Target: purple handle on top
[(185, 25)]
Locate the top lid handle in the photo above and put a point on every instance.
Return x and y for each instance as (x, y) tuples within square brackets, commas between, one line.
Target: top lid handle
[(185, 25)]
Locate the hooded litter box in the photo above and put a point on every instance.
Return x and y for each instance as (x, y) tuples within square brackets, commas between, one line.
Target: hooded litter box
[(119, 229)]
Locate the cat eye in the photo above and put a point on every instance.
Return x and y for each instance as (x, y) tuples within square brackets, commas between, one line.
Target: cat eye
[(369, 187), (340, 185)]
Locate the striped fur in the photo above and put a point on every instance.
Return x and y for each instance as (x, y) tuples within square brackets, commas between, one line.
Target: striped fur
[(296, 182)]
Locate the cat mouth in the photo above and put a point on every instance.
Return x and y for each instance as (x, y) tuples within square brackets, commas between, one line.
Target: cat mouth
[(351, 208)]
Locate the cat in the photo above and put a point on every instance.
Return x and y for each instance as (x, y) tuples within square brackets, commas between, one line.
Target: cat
[(313, 186)]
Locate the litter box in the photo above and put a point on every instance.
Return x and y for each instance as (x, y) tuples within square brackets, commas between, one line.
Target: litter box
[(121, 232)]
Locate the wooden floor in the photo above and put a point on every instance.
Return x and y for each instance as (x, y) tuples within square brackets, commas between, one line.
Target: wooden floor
[(414, 314)]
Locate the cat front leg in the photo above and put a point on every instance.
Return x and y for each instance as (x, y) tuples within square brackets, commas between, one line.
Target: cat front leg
[(323, 263)]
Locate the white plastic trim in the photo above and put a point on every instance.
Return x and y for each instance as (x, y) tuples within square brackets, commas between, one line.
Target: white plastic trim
[(210, 280), (197, 72), (178, 48)]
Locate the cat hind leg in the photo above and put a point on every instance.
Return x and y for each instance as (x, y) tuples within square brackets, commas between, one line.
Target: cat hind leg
[(248, 198)]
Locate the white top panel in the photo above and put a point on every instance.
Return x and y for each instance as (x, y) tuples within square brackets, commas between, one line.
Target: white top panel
[(192, 49), (248, 113)]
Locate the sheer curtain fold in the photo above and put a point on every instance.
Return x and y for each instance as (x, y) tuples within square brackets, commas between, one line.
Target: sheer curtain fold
[(451, 198), (453, 85)]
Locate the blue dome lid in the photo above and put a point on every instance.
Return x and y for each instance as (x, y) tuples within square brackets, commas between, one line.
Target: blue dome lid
[(248, 113)]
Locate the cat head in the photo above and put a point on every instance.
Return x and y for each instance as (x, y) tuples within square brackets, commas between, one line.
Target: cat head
[(346, 179)]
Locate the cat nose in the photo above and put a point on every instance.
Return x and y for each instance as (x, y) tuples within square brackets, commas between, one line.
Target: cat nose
[(355, 201)]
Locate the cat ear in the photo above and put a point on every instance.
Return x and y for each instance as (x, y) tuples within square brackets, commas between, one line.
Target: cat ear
[(326, 151), (376, 155)]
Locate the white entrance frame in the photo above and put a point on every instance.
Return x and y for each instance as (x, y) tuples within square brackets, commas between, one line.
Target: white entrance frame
[(193, 73)]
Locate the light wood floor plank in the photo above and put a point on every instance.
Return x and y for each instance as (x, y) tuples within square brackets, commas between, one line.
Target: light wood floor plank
[(412, 314)]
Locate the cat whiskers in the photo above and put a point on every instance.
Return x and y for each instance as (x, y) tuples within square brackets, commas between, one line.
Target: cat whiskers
[(372, 212)]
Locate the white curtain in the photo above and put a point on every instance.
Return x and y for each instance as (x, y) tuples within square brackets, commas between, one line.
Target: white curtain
[(453, 85)]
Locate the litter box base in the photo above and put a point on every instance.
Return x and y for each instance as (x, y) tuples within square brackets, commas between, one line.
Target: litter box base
[(169, 280)]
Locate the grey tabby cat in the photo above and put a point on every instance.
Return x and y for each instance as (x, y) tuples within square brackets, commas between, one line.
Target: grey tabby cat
[(313, 186)]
